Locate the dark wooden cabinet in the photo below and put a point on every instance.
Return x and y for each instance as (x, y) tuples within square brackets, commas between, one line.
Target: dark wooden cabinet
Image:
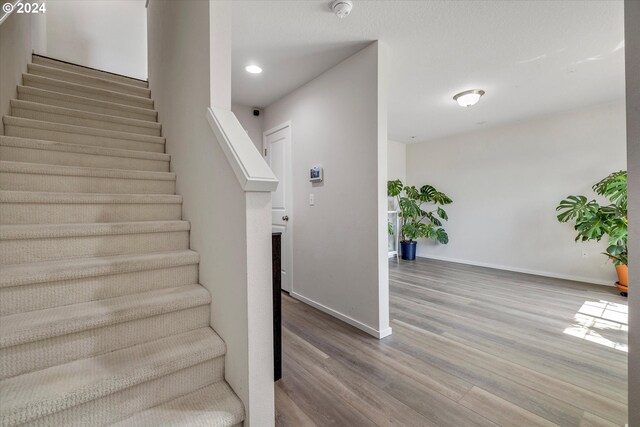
[(277, 319)]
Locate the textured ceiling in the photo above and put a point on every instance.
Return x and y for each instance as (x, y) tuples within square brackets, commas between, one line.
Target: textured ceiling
[(531, 57)]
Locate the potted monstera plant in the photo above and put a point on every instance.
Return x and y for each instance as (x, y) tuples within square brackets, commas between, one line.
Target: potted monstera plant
[(593, 221), (421, 215)]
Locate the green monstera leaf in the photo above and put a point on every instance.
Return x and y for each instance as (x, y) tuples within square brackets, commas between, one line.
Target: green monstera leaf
[(592, 228), (576, 207), (442, 236), (442, 214), (593, 221), (420, 211), (614, 188), (394, 188)]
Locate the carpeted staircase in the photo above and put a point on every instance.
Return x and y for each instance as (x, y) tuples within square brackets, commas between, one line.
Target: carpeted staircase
[(102, 317)]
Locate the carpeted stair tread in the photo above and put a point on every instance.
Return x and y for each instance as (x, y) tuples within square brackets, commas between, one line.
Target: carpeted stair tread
[(56, 85), (30, 243), (52, 113), (83, 79), (212, 406), (46, 231), (41, 144), (31, 150), (40, 177), (36, 197), (27, 327), (82, 130), (50, 62), (78, 268), (37, 394), (31, 207), (49, 97), (80, 171), (43, 130)]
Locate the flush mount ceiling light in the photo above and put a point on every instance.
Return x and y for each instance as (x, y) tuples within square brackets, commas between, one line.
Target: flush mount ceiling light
[(468, 97), (342, 8), (253, 69)]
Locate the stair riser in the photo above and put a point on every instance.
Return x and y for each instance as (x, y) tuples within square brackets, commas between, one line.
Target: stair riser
[(50, 213), (88, 71), (74, 138), (42, 354), (79, 121), (83, 184), (194, 409), (85, 80), (31, 94), (124, 403), (63, 158), (24, 298), (109, 97), (34, 250)]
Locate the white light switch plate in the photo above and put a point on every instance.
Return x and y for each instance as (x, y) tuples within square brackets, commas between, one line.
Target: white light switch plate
[(312, 200)]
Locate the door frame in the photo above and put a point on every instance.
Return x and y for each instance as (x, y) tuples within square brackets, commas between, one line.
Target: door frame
[(288, 191)]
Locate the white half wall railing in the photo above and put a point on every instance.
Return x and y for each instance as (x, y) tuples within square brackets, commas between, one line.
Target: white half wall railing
[(253, 173), (245, 267)]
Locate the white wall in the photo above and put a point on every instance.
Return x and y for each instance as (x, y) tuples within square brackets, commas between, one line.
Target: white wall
[(396, 160), (109, 35), (234, 268), (339, 245), (15, 54), (254, 125), (632, 57), (506, 182)]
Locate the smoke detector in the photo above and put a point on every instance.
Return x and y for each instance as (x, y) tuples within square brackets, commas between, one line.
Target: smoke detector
[(342, 8)]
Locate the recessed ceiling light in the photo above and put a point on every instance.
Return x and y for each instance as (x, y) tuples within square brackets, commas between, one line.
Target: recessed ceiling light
[(253, 69), (468, 97)]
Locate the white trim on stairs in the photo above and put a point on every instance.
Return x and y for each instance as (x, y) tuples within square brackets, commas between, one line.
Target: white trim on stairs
[(250, 168)]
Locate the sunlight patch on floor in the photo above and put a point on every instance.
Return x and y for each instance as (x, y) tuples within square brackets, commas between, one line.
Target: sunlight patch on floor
[(596, 319)]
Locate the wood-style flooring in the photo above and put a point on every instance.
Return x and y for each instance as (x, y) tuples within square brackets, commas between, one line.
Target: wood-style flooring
[(471, 346)]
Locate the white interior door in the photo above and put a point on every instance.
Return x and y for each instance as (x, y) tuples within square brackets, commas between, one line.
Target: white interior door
[(277, 151)]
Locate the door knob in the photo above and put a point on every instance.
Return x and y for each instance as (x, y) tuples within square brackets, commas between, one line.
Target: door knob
[(285, 218)]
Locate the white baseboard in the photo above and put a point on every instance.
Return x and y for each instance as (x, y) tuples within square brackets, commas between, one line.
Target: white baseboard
[(353, 322), (384, 333), (524, 270)]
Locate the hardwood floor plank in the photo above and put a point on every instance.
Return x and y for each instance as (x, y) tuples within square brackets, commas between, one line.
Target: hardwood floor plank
[(470, 346), (549, 355), (322, 404), (500, 411), (482, 372), (442, 321), (554, 338), (423, 399), (591, 420), (540, 389), (529, 345), (299, 345), (288, 414), (378, 406), (342, 335), (489, 309)]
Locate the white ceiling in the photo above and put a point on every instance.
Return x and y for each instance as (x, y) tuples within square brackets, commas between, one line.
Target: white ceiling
[(531, 57)]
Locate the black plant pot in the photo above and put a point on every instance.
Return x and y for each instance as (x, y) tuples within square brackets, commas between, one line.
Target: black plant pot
[(408, 250)]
